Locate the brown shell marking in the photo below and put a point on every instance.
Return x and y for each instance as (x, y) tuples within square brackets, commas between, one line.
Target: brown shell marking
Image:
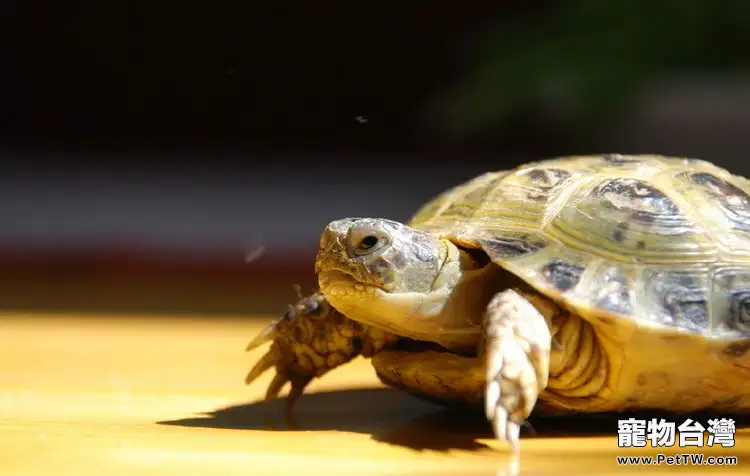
[(722, 204), (544, 180), (734, 201), (731, 292), (677, 297), (562, 275)]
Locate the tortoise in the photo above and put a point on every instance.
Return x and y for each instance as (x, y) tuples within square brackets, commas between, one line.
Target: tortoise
[(580, 284)]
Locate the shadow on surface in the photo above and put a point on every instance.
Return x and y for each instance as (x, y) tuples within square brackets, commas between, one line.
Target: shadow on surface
[(387, 415), (393, 417)]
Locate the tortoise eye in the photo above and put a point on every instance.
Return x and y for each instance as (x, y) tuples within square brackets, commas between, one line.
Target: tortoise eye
[(368, 242), (364, 240)]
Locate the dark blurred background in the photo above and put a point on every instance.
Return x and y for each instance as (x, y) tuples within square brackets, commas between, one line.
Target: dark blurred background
[(147, 147)]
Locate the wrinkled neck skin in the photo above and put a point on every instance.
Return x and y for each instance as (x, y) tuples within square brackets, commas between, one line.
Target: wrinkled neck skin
[(450, 313)]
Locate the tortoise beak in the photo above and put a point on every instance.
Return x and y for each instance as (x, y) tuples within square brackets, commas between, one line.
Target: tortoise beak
[(332, 244)]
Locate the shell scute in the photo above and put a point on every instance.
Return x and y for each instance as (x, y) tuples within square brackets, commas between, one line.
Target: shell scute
[(731, 296), (722, 203), (677, 297), (627, 219), (612, 287)]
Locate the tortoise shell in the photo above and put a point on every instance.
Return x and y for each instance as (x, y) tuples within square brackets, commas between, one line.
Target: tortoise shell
[(661, 241)]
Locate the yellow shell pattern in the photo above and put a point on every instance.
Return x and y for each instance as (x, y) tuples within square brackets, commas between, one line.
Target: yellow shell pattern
[(661, 241)]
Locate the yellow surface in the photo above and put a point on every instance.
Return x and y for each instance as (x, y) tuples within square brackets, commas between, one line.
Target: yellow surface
[(127, 395)]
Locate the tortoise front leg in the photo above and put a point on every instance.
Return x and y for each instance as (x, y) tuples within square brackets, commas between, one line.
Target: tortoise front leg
[(517, 351), (311, 339)]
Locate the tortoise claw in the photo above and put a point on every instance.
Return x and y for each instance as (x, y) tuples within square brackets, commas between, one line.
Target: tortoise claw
[(298, 389), (281, 354), (266, 335), (282, 376), (270, 359), (274, 388)]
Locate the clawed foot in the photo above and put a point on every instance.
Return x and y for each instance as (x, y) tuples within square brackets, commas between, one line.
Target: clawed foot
[(517, 351), (311, 339), (288, 355)]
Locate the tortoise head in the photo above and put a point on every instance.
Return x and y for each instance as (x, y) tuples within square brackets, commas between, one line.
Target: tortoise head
[(384, 273)]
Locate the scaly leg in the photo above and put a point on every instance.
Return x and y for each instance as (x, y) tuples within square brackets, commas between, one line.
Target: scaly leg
[(311, 339), (517, 351)]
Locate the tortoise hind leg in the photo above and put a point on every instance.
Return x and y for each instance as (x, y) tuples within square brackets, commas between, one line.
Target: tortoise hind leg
[(443, 378)]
